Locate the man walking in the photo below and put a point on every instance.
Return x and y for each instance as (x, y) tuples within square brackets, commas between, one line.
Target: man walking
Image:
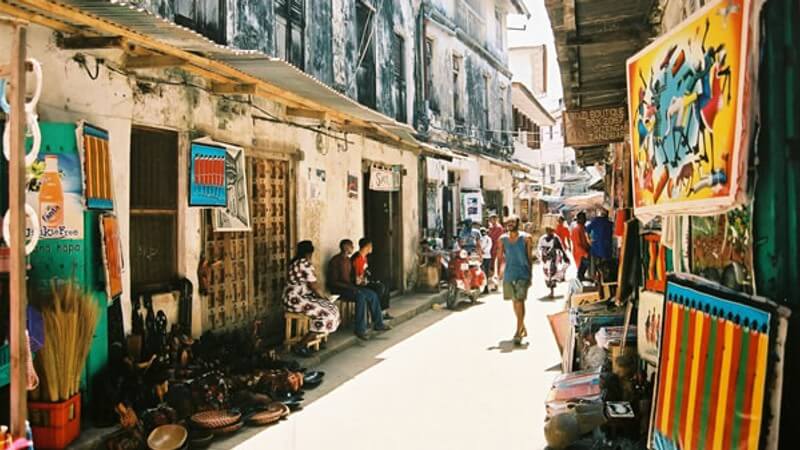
[(563, 233), (340, 281), (515, 254), (600, 231)]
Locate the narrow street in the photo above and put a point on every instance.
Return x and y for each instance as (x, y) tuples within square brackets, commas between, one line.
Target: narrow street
[(444, 380)]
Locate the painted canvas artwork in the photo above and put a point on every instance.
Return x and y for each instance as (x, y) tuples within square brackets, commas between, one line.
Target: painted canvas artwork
[(236, 214), (687, 101), (207, 185), (649, 318), (713, 370), (96, 159), (112, 255)]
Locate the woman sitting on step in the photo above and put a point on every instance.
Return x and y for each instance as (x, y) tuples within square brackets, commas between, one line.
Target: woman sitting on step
[(303, 296)]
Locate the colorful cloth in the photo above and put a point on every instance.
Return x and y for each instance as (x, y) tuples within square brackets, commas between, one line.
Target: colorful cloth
[(299, 298)]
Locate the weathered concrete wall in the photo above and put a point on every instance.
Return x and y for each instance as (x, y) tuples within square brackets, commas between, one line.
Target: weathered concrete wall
[(118, 103), (475, 71), (497, 178)]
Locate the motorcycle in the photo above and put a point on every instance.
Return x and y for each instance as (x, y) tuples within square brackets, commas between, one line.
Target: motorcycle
[(465, 277)]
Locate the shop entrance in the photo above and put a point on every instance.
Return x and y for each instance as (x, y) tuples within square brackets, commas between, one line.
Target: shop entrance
[(494, 203), (383, 225), (448, 211)]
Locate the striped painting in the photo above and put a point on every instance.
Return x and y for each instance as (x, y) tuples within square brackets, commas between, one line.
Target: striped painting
[(712, 373), (96, 167)]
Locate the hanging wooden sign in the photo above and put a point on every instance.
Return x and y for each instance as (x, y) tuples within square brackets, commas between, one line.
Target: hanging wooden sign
[(594, 126), (383, 178)]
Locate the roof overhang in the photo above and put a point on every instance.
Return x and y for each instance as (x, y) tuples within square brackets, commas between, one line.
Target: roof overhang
[(524, 100), (593, 40), (228, 67)]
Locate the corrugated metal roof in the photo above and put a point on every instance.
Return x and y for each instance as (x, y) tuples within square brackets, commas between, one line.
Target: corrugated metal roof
[(271, 70)]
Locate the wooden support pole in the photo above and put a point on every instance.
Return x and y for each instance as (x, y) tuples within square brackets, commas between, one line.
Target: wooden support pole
[(16, 204)]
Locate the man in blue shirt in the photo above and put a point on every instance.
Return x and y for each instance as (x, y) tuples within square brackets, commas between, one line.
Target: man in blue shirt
[(600, 231)]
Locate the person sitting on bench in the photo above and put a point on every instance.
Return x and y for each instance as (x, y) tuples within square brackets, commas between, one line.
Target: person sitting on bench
[(363, 276), (340, 281), (303, 296)]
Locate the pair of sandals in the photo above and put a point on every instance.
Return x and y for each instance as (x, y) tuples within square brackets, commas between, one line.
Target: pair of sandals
[(518, 337)]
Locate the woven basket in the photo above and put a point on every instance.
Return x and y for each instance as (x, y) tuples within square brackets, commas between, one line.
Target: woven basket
[(216, 419), (275, 412)]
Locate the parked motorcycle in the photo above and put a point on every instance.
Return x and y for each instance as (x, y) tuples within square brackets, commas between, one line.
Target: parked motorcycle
[(465, 277)]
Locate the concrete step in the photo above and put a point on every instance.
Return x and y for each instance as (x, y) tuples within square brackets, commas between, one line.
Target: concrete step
[(403, 308)]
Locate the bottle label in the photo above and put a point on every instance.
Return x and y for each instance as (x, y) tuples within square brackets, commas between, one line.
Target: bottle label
[(51, 214)]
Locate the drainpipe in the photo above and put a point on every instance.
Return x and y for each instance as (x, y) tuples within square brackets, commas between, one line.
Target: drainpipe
[(421, 121)]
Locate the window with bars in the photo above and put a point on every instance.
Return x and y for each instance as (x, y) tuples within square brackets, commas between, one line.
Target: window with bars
[(207, 17), (398, 57), (365, 73), (534, 136), (290, 25), (153, 208)]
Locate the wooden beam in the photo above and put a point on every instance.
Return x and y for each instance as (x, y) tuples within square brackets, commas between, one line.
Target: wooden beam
[(233, 88), (83, 42), (37, 18), (307, 113), (152, 61), (16, 205)]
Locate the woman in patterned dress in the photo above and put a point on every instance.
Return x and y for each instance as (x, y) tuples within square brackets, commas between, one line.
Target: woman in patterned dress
[(303, 295)]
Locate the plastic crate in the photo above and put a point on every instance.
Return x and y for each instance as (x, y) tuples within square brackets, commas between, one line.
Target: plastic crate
[(5, 365), (55, 425)]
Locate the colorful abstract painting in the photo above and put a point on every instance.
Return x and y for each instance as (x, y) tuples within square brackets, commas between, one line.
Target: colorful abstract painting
[(112, 255), (650, 315), (713, 369), (687, 100), (654, 262), (207, 182), (96, 159)]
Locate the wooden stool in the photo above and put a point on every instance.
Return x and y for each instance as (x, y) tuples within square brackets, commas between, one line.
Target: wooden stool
[(297, 326)]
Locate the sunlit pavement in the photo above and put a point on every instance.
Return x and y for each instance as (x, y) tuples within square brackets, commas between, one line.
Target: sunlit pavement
[(445, 380)]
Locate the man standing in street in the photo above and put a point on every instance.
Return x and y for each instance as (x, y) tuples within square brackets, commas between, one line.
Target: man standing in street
[(494, 231), (580, 245), (600, 231), (515, 254), (340, 281)]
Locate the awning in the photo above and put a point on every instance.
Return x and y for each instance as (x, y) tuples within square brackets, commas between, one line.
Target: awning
[(590, 200), (506, 164), (524, 100), (140, 26)]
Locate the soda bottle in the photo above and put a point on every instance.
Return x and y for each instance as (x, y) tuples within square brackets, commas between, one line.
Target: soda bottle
[(51, 195)]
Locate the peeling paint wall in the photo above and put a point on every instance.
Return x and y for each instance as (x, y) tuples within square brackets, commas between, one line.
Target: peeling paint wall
[(475, 71)]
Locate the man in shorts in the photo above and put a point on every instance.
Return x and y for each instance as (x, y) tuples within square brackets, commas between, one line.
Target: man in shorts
[(515, 254)]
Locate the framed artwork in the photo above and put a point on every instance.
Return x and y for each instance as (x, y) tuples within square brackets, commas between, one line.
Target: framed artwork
[(207, 185), (96, 164), (112, 255), (688, 100), (650, 316), (715, 378), (722, 248), (352, 186), (235, 216), (654, 262)]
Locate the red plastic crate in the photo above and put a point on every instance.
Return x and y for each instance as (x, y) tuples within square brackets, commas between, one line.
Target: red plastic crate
[(55, 425)]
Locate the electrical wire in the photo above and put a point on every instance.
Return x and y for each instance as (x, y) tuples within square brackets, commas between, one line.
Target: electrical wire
[(236, 99)]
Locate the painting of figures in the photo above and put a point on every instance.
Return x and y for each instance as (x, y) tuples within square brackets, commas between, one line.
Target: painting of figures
[(687, 98)]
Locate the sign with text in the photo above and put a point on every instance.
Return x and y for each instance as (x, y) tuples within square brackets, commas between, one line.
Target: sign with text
[(382, 178), (594, 126)]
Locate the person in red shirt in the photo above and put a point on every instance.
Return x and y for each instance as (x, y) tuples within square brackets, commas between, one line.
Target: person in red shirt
[(563, 233), (580, 245), (494, 231), (362, 275)]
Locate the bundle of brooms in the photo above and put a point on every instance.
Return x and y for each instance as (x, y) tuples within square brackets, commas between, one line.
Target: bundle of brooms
[(70, 316)]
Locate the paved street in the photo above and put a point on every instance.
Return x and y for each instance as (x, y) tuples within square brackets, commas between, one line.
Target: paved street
[(445, 380)]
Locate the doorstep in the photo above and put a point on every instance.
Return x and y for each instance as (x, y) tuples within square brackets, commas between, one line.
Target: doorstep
[(403, 308)]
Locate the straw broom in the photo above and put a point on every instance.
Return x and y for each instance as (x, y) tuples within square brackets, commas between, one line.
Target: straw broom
[(70, 316)]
